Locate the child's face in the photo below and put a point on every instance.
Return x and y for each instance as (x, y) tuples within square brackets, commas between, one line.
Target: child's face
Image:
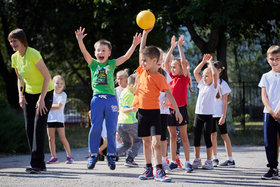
[(122, 81), (58, 85), (102, 53), (147, 63), (274, 62), (16, 44), (207, 77), (175, 68)]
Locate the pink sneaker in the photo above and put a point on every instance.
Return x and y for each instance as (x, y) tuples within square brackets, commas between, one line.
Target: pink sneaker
[(52, 160)]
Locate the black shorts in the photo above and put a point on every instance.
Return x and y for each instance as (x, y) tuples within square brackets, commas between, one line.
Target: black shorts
[(149, 122), (172, 118), (55, 125), (222, 128), (164, 131)]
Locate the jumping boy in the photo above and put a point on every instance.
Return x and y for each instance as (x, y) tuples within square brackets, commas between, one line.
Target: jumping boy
[(151, 82), (104, 104), (270, 86)]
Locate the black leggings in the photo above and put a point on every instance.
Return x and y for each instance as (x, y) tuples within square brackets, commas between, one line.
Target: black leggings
[(35, 127), (201, 121)]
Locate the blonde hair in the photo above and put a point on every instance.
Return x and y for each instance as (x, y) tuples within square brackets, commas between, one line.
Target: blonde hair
[(273, 50), (132, 80), (123, 72), (59, 77)]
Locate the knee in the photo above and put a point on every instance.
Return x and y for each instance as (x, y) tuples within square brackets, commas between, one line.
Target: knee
[(173, 137), (156, 145), (51, 138)]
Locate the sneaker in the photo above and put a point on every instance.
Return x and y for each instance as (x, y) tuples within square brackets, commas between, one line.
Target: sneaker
[(166, 168), (167, 161), (196, 163), (130, 162), (92, 161), (161, 176), (188, 168), (148, 174), (173, 167), (228, 164), (178, 162), (215, 162), (208, 165), (111, 161), (34, 170), (52, 160), (271, 174), (69, 160)]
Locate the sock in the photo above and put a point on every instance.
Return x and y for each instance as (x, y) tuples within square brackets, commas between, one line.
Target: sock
[(215, 157), (163, 160), (187, 162), (197, 159), (230, 158), (149, 165), (159, 166)]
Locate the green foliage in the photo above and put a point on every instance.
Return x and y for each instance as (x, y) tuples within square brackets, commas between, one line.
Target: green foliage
[(12, 134)]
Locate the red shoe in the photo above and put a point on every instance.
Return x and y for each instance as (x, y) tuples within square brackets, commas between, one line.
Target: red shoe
[(167, 161), (178, 162)]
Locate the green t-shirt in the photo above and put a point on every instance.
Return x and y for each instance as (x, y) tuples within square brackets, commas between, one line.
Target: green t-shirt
[(126, 99), (28, 70), (102, 77)]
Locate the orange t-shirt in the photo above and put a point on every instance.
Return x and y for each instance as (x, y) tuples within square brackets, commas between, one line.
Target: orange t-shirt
[(149, 87)]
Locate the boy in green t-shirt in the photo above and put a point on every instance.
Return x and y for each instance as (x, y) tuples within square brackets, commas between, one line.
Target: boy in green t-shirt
[(104, 104)]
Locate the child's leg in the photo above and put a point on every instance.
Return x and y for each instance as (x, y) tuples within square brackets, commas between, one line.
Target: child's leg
[(156, 148), (207, 135), (61, 133), (178, 141), (103, 146), (97, 117), (198, 124), (137, 142), (225, 137), (147, 144), (173, 143), (111, 117), (270, 140), (185, 141), (214, 136), (125, 138), (51, 135)]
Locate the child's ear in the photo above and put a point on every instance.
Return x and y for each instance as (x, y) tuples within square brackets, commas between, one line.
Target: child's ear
[(155, 60)]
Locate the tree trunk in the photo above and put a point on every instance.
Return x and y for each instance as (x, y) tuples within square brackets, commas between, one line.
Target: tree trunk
[(222, 50)]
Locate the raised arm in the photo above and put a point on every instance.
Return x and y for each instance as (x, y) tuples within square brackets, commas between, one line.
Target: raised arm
[(80, 36), (214, 72), (169, 54), (198, 68), (184, 62), (144, 40), (136, 41)]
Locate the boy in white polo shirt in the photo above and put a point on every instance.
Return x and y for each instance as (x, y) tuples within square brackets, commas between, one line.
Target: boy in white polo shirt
[(270, 85)]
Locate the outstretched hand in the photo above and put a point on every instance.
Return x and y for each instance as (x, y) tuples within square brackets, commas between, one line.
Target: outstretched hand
[(181, 40), (80, 33), (173, 42), (207, 58), (137, 39)]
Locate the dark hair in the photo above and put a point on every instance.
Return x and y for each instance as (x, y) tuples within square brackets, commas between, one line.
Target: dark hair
[(161, 71), (219, 65), (20, 35), (151, 52), (103, 42)]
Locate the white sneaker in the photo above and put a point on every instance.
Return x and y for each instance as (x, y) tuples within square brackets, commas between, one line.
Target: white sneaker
[(196, 163)]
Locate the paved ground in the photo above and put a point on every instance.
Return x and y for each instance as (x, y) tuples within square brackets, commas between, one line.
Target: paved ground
[(250, 163)]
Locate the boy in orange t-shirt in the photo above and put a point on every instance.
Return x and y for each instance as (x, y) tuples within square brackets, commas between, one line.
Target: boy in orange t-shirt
[(151, 82)]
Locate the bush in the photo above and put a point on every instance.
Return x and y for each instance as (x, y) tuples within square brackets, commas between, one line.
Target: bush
[(12, 132)]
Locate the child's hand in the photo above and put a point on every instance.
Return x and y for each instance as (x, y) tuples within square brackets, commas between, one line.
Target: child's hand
[(181, 40), (134, 109), (80, 33), (173, 42), (137, 39), (222, 120), (148, 30), (206, 58), (164, 103), (179, 116)]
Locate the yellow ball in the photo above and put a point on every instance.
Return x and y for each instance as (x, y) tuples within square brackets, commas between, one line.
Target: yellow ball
[(145, 19)]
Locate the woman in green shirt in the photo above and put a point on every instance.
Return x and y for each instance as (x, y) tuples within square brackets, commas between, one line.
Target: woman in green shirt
[(35, 90)]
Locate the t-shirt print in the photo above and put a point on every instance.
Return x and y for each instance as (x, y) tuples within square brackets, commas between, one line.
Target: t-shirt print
[(102, 75)]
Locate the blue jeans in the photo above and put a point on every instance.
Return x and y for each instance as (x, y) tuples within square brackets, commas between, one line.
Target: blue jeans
[(270, 128), (103, 106)]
